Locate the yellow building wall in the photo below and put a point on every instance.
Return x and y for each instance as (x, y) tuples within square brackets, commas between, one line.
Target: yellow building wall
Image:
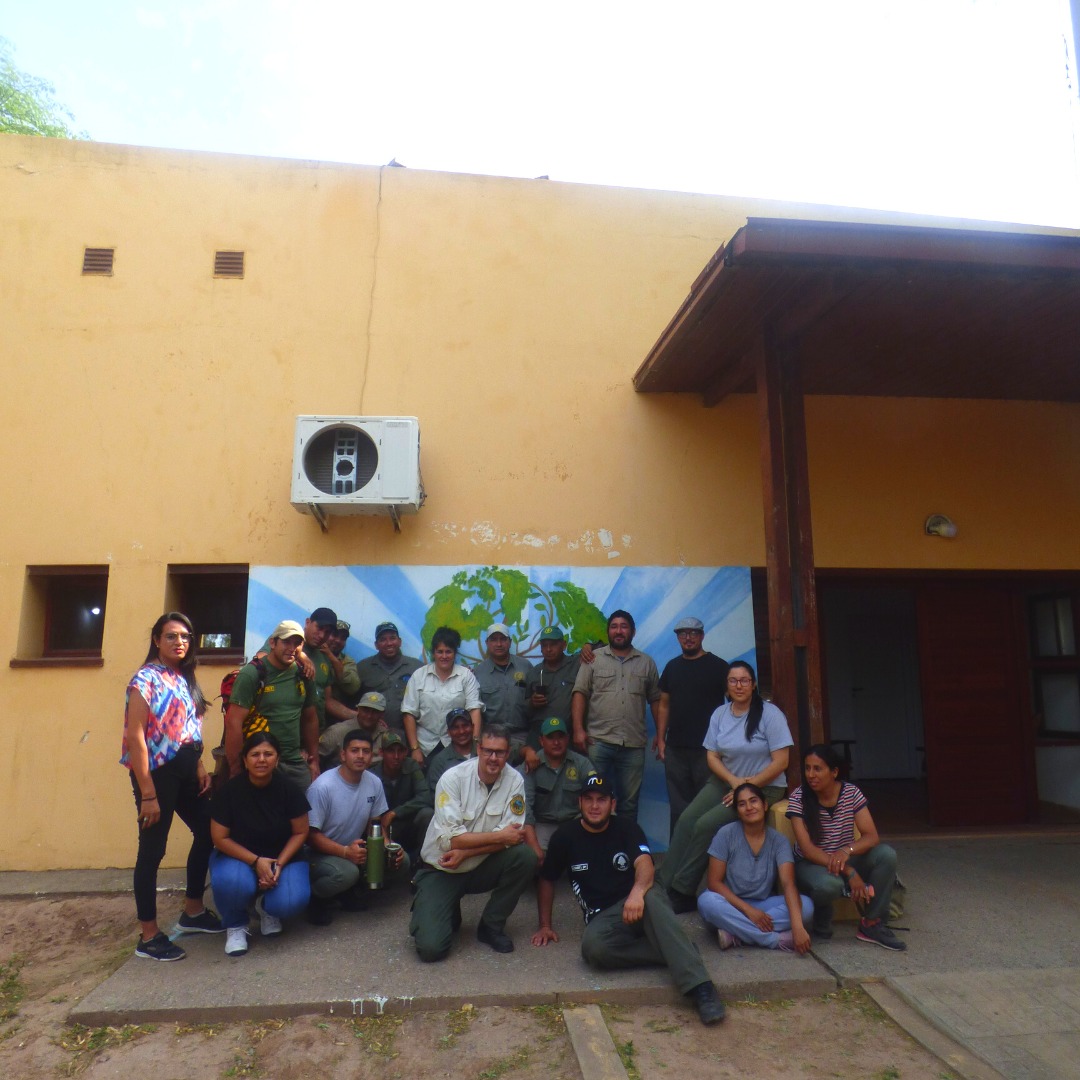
[(150, 414)]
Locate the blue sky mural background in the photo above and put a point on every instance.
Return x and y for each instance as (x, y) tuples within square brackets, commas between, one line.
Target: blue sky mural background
[(657, 596)]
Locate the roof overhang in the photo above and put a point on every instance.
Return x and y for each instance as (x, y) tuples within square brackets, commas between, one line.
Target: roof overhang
[(880, 310)]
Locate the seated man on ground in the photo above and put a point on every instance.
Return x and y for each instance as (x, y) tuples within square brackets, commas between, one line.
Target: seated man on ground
[(628, 923), (554, 784), (475, 844), (407, 794), (345, 803)]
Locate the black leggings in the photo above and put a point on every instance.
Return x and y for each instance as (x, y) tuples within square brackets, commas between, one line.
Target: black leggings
[(176, 784)]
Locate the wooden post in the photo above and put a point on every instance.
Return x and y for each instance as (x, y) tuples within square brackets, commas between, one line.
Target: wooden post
[(789, 547)]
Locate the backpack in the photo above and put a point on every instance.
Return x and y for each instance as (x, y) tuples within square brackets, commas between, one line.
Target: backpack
[(252, 722)]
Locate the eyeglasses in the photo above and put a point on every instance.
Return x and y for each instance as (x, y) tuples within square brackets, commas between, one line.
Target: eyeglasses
[(689, 633), (487, 752), (173, 636), (740, 682)]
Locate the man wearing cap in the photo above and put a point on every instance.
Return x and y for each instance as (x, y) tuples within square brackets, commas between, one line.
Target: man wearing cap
[(462, 746), (407, 793), (387, 672), (345, 803), (615, 689), (475, 844), (504, 681), (553, 787), (314, 656), (280, 700), (346, 684), (628, 923), (692, 688), (368, 718), (551, 687)]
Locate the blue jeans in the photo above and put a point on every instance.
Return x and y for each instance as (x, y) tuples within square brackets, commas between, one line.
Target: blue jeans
[(716, 911), (625, 765), (235, 885)]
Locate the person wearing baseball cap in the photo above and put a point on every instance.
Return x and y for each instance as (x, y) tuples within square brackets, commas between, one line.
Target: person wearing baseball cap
[(271, 693), (553, 787), (551, 687), (367, 718), (387, 673), (407, 794), (692, 688), (504, 679), (628, 922), (461, 747)]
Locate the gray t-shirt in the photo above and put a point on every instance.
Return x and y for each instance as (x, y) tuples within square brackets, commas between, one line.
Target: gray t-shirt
[(750, 876), (727, 736), (343, 811)]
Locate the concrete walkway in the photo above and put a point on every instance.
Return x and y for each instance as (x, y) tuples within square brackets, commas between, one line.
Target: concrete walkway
[(990, 980)]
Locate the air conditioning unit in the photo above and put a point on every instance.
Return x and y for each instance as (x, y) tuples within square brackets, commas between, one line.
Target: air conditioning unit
[(357, 465)]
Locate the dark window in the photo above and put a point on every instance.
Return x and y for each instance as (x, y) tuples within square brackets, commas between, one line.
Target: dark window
[(63, 612), (214, 598), (1055, 665)]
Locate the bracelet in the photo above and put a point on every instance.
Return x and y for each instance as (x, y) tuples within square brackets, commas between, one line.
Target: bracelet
[(256, 862), (413, 749)]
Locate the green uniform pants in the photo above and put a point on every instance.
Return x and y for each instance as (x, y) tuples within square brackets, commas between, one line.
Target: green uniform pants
[(656, 938), (686, 858), (332, 875), (436, 911)]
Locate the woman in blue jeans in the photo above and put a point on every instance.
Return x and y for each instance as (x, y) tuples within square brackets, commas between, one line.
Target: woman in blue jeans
[(825, 812), (260, 823)]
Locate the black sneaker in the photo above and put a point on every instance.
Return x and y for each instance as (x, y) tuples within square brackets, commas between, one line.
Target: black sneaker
[(681, 902), (354, 899), (707, 1002), (206, 922), (877, 933), (320, 912), (159, 947), (499, 941)]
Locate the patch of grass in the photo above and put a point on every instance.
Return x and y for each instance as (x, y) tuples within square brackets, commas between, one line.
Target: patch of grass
[(550, 1017), (197, 1029), (244, 1064), (259, 1029), (12, 990), (615, 1014), (505, 1065), (861, 1002), (627, 1054), (457, 1023), (84, 1043), (377, 1033), (752, 1002), (890, 1072), (664, 1027)]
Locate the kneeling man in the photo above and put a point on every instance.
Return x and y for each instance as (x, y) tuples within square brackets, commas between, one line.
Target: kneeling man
[(474, 844), (345, 802), (627, 922)]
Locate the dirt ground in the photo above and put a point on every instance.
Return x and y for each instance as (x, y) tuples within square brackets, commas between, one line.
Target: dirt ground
[(54, 951)]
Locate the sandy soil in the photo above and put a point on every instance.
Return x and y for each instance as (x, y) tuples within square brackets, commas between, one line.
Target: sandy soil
[(54, 951)]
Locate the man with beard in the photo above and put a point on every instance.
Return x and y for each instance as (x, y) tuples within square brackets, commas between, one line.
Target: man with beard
[(692, 687), (628, 923), (387, 672), (615, 689)]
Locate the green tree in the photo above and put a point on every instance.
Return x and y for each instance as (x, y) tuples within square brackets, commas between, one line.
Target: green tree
[(471, 602), (27, 106)]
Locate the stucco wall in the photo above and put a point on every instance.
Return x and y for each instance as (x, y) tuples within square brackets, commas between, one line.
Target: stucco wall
[(151, 412)]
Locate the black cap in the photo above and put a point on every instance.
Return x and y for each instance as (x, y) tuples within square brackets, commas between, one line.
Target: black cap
[(324, 616), (599, 783)]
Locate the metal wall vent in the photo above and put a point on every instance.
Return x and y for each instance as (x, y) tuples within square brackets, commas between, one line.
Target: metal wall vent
[(97, 260), (229, 264)]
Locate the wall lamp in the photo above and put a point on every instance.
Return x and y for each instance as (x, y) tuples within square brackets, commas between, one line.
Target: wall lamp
[(940, 525)]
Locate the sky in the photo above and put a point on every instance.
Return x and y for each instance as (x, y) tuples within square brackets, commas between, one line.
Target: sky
[(958, 108)]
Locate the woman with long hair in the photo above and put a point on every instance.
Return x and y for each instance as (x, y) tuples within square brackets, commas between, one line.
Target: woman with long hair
[(260, 823), (162, 750), (747, 859), (825, 812), (748, 741)]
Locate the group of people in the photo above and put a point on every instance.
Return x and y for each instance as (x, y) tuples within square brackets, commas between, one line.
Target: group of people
[(485, 780)]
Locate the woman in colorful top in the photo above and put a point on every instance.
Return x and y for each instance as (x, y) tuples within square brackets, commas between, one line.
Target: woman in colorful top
[(260, 823), (748, 741), (162, 749), (825, 812), (746, 858), (432, 691)]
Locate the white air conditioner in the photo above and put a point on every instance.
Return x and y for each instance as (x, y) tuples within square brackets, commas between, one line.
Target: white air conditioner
[(357, 465)]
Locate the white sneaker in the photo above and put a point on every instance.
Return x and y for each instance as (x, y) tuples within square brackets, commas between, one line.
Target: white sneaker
[(236, 941), (269, 924)]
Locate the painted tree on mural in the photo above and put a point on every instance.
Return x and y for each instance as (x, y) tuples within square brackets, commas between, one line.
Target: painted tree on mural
[(472, 601)]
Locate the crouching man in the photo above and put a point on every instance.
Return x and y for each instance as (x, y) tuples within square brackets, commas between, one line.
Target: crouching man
[(628, 923), (345, 802), (474, 844)]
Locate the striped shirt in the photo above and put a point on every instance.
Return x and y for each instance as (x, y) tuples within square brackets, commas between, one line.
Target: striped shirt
[(837, 822)]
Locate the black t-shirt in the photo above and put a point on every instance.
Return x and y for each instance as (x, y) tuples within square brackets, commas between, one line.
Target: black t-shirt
[(259, 818), (697, 689), (601, 865)]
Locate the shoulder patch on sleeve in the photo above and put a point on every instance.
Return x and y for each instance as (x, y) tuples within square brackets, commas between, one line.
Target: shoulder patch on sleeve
[(444, 799), (517, 805)]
